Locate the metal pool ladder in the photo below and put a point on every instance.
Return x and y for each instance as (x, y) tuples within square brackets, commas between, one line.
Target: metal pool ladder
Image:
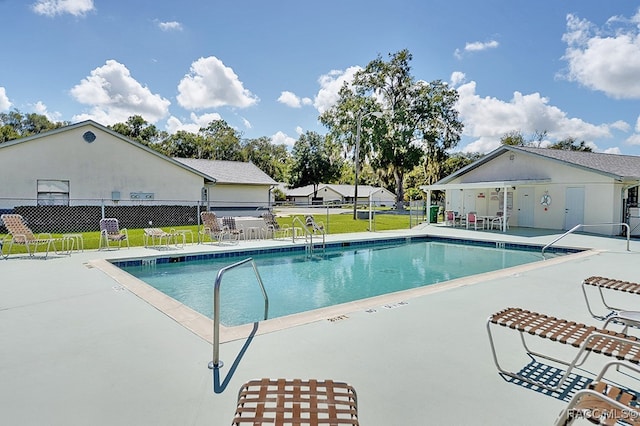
[(308, 234), (216, 363)]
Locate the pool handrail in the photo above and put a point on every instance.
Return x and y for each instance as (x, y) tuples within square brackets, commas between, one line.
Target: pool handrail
[(582, 225), (216, 363)]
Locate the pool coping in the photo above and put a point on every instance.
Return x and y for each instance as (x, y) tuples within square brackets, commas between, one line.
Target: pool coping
[(202, 326)]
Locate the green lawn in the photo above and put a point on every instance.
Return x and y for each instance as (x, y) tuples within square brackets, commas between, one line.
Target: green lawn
[(336, 224)]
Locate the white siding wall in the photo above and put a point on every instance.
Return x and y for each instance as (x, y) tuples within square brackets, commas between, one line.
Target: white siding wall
[(239, 195), (94, 169), (603, 197)]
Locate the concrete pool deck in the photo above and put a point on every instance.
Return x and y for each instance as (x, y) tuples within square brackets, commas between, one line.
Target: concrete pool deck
[(80, 348)]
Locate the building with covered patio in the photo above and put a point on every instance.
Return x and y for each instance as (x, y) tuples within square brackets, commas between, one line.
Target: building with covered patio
[(547, 188)]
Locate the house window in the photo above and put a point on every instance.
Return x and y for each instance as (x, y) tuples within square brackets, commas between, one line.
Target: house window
[(53, 192)]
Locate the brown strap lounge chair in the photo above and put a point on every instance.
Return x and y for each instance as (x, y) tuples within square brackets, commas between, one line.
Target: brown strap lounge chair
[(602, 403), (273, 228), (229, 222), (157, 234), (610, 284), (212, 229), (21, 234), (586, 339), (110, 232), (296, 402)]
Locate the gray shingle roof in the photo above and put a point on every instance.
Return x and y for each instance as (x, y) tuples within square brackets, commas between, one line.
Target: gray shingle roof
[(236, 172), (613, 164)]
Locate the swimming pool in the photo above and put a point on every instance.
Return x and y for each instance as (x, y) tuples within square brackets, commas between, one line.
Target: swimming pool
[(296, 282)]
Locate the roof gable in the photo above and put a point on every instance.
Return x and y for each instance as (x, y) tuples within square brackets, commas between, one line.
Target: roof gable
[(101, 128), (620, 167)]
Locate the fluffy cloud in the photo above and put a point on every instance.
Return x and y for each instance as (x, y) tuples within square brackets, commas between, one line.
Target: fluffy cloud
[(196, 122), (114, 96), (282, 138), (604, 60), (330, 85), (477, 46), (170, 26), (292, 100), (5, 103), (488, 119), (41, 108), (211, 84), (60, 7)]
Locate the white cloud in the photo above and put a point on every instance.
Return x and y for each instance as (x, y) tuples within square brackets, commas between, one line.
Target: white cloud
[(60, 7), (247, 123), (115, 96), (211, 84), (292, 100), (633, 139), (41, 108), (299, 130), (170, 26), (457, 78), (196, 122), (282, 138), (613, 150), (488, 119), (5, 103), (478, 46), (604, 60), (330, 85)]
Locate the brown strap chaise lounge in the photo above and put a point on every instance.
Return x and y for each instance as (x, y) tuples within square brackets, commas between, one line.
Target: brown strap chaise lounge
[(586, 339), (609, 284), (296, 402), (603, 403), (21, 234)]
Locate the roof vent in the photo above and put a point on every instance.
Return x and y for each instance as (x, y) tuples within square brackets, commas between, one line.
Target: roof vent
[(89, 137)]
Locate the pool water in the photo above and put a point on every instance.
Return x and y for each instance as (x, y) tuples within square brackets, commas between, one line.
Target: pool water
[(296, 282)]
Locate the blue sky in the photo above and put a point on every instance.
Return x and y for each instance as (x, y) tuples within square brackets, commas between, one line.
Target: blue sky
[(268, 68)]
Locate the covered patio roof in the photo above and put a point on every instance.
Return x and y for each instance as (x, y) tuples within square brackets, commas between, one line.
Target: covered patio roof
[(480, 185)]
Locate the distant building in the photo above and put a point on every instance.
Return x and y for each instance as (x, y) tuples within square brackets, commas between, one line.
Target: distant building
[(340, 194)]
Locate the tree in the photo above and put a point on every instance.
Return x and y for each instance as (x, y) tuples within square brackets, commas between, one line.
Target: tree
[(182, 144), (221, 142), (15, 125), (458, 161), (513, 138), (271, 159), (571, 144), (420, 118), (140, 130), (315, 160)]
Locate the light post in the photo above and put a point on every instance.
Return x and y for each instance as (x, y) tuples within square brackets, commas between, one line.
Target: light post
[(376, 114)]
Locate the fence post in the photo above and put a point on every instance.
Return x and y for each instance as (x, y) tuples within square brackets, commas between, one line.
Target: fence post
[(102, 207)]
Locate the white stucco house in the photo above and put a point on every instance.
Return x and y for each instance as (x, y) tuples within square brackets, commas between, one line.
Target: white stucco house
[(341, 194), (88, 164), (547, 188)]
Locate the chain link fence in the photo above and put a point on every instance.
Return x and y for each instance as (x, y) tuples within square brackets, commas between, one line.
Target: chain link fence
[(82, 216)]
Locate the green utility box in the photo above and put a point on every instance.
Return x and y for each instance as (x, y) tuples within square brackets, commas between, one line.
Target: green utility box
[(433, 214)]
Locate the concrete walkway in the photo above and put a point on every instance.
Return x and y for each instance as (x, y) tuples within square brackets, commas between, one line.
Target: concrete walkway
[(78, 348)]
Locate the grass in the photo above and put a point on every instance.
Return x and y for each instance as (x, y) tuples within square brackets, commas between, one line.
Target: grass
[(334, 224)]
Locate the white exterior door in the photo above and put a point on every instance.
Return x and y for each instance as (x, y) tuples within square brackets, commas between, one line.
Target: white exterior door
[(574, 207), (526, 206)]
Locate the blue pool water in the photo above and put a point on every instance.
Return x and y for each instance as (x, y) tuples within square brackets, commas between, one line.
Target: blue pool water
[(296, 283)]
